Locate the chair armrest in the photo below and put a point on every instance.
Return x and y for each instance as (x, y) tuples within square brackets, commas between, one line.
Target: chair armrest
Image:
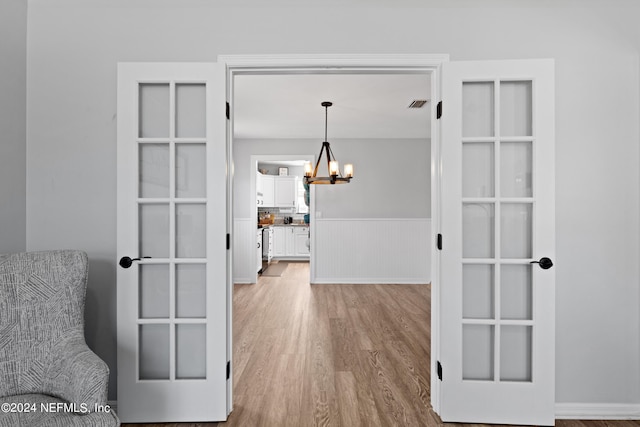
[(76, 374)]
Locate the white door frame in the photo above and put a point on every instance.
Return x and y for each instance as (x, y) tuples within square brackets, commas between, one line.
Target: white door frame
[(262, 64)]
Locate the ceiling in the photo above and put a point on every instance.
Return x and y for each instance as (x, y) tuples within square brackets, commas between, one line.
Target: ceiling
[(364, 106)]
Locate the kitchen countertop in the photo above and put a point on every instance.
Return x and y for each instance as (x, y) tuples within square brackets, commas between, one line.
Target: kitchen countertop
[(282, 225)]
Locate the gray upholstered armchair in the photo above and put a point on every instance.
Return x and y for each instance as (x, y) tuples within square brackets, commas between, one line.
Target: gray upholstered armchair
[(48, 375)]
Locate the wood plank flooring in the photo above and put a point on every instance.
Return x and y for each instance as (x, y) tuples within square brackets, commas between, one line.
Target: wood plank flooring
[(334, 355)]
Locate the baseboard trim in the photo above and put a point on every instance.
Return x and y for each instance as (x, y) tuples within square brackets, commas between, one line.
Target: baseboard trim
[(598, 411), (566, 411), (368, 281)]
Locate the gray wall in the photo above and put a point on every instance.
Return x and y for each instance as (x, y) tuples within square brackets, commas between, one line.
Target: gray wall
[(13, 126), (74, 46), (405, 192)]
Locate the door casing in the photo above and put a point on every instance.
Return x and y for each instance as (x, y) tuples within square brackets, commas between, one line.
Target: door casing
[(365, 64)]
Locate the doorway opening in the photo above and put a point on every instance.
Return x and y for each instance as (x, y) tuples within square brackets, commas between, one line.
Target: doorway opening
[(425, 66), (282, 211)]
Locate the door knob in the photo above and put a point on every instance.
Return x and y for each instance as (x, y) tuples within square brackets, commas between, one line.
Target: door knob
[(126, 262), (544, 263)]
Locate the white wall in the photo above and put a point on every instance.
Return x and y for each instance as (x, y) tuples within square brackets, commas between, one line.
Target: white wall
[(74, 46), (13, 124)]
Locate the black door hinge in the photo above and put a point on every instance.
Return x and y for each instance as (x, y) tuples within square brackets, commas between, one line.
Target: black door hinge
[(439, 242), (439, 110), (439, 369), (228, 241), (228, 369), (228, 111)]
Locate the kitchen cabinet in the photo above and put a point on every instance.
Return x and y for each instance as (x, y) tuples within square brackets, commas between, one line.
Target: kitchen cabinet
[(264, 190), (285, 191), (267, 190), (276, 191), (301, 237), (290, 242), (289, 245), (279, 242), (259, 190)]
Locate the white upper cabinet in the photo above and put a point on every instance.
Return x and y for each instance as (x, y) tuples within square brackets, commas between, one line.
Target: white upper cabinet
[(285, 191), (264, 190), (267, 190)]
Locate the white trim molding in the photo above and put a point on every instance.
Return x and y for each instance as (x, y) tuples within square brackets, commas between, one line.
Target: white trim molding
[(367, 63), (287, 63), (598, 411)]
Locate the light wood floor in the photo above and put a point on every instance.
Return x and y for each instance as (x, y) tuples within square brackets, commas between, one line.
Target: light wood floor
[(333, 355)]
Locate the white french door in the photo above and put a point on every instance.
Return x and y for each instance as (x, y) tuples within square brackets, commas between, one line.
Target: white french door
[(171, 243), (497, 222)]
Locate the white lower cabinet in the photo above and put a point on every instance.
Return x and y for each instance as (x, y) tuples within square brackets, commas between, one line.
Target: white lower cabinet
[(290, 242), (301, 237), (279, 242)]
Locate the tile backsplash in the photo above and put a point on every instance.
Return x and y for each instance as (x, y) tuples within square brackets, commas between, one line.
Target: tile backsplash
[(280, 213)]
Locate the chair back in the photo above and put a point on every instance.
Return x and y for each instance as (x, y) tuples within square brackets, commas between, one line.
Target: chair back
[(41, 303)]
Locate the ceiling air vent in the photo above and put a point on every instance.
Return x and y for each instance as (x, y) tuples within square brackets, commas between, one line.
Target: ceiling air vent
[(417, 103)]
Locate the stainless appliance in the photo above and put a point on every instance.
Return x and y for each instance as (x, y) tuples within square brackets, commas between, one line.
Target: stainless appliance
[(267, 247), (259, 266)]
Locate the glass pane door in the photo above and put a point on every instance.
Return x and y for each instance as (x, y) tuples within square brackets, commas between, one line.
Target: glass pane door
[(496, 352), (497, 230), (173, 298), (172, 212)]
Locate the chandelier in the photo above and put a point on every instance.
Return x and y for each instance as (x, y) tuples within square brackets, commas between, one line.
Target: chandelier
[(333, 169)]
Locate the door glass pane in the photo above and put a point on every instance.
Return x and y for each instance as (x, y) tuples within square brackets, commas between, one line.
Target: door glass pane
[(478, 109), (191, 173), (477, 291), (478, 230), (515, 353), (154, 230), (190, 110), (190, 230), (515, 108), (477, 352), (153, 111), (191, 351), (154, 170), (154, 291), (516, 230), (477, 169), (154, 352), (515, 169), (191, 290), (516, 292)]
